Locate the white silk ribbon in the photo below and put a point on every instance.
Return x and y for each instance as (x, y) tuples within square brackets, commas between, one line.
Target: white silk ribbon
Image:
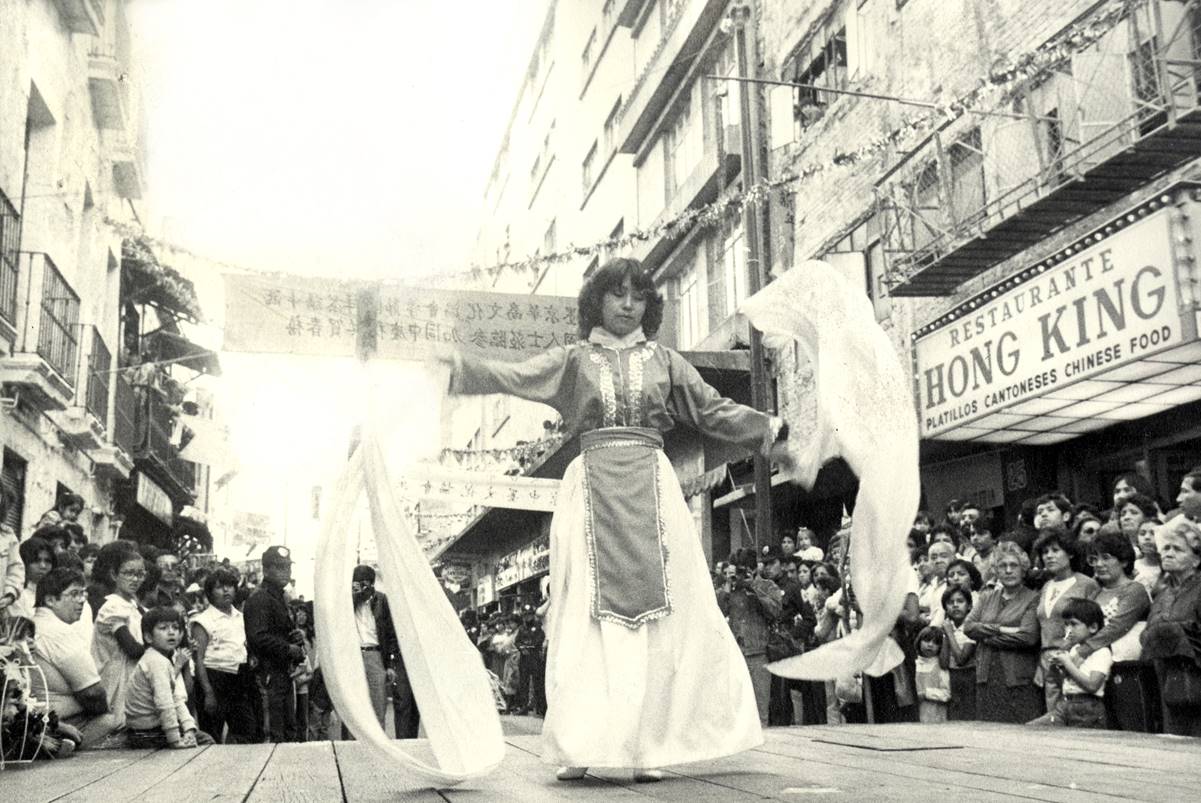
[(444, 668), (865, 414)]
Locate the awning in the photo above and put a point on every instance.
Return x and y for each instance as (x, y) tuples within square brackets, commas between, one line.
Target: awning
[(174, 347), (703, 483), (145, 280)]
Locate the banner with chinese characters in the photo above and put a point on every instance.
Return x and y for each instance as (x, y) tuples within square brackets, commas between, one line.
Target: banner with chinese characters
[(476, 488), (332, 317)]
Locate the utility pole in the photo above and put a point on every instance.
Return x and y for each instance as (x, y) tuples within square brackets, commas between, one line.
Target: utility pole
[(741, 18)]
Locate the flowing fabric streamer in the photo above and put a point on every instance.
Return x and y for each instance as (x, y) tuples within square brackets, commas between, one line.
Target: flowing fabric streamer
[(865, 415), (444, 668)]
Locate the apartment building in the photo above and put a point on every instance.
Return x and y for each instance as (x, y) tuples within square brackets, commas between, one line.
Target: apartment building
[(1028, 242), (84, 312), (617, 131)]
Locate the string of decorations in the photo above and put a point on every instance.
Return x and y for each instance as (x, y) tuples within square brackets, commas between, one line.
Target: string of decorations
[(522, 452), (1028, 67)]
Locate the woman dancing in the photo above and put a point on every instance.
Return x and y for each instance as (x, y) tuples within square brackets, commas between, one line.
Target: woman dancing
[(642, 669)]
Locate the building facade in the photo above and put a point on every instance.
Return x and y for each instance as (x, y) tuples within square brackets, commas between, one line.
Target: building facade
[(81, 306), (1026, 238)]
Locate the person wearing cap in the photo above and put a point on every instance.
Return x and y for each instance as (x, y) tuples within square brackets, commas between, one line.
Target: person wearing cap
[(270, 640), (531, 663)]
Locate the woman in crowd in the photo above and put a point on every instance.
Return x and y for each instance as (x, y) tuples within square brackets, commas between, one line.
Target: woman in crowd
[(616, 623), (117, 641), (39, 559), (1057, 550), (1005, 628), (1085, 526), (1137, 509), (1123, 602), (1172, 640), (962, 573)]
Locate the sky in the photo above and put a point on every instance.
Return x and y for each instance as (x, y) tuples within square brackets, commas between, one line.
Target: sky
[(324, 137)]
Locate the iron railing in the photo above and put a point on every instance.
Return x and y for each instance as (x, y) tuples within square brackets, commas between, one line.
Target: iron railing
[(99, 378), (10, 230), (125, 416), (58, 343), (157, 444), (978, 171)]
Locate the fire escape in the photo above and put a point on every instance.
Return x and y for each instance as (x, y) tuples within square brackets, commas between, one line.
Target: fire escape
[(1104, 124)]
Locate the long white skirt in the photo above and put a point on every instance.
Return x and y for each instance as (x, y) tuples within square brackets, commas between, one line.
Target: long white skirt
[(673, 691)]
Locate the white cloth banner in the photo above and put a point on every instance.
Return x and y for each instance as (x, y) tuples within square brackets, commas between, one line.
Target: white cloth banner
[(477, 488), (444, 667), (865, 414)]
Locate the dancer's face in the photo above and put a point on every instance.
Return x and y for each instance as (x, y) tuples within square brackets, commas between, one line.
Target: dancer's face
[(622, 309)]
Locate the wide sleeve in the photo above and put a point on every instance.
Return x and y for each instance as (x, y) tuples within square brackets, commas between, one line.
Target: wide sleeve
[(114, 614), (694, 402), (542, 378), (1133, 604)]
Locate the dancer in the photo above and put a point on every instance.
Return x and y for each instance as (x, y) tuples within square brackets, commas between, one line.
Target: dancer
[(642, 670)]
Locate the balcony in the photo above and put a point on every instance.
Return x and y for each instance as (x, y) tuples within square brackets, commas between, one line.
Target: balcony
[(109, 86), (155, 452), (42, 368), (983, 189), (82, 16), (128, 157), (686, 24), (84, 423), (10, 235)]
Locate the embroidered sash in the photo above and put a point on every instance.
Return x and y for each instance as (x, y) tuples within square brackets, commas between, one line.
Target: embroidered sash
[(623, 525)]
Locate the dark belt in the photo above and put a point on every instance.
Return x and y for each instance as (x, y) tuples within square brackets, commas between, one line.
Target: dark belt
[(369, 649)]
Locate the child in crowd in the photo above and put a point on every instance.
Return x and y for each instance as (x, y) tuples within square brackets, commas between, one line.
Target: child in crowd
[(1081, 705), (1146, 568), (931, 675), (117, 638), (805, 548), (156, 703), (959, 652)]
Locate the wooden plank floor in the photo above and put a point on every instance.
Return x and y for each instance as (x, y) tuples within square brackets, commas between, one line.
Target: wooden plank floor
[(970, 762)]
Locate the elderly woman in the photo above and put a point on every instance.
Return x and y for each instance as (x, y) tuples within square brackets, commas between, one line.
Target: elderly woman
[(1057, 551), (1123, 601), (642, 670), (1172, 640), (1005, 628)]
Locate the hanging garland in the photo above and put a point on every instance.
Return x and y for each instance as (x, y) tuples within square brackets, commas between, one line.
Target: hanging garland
[(135, 251), (1008, 73)]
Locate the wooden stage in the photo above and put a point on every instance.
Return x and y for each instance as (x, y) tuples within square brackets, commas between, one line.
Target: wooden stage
[(967, 762)]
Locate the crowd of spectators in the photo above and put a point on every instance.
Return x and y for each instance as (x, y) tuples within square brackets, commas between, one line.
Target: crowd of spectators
[(126, 650), (1071, 615)]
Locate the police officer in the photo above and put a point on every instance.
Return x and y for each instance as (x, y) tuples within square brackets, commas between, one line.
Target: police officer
[(271, 639)]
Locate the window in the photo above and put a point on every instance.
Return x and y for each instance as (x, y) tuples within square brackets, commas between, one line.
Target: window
[(618, 232), (610, 135), (693, 322), (683, 146), (10, 227), (548, 239), (586, 56), (733, 260), (965, 158), (821, 64), (12, 485), (587, 171), (609, 14)]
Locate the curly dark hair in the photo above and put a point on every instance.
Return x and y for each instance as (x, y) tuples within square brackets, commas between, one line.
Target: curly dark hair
[(1116, 544), (610, 276)]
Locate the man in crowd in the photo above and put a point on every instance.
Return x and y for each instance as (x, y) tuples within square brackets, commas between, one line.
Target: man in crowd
[(797, 621), (73, 686), (1052, 510), (271, 638), (531, 670), (1189, 498), (377, 640), (750, 606), (170, 581)]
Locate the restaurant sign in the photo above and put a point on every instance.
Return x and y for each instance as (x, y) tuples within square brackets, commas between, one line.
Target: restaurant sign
[(1108, 301), (524, 563)]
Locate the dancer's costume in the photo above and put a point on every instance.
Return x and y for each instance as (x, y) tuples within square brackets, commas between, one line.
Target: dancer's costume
[(642, 669)]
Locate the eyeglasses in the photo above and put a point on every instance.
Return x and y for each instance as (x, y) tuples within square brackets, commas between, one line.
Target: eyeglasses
[(138, 575), (1097, 559), (76, 594)]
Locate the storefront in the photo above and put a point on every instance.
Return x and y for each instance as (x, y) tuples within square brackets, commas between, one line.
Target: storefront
[(1071, 370)]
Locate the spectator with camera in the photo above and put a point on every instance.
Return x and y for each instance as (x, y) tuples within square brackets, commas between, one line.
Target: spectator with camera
[(751, 604)]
